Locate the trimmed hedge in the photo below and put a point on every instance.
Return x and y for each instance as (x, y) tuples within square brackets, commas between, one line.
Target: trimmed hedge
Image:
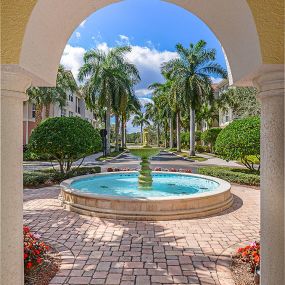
[(234, 175), (50, 176)]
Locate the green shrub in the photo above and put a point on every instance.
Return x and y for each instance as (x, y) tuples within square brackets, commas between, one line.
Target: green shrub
[(240, 139), (209, 137), (199, 148), (202, 148), (50, 176), (198, 136), (65, 139), (30, 156), (185, 139), (235, 175)]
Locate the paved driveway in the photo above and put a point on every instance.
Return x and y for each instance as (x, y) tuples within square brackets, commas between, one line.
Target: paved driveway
[(105, 251)]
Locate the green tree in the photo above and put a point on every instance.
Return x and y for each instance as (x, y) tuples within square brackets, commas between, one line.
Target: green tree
[(65, 139), (140, 120), (45, 96), (108, 81), (242, 100), (191, 75), (209, 136), (240, 140), (164, 108)]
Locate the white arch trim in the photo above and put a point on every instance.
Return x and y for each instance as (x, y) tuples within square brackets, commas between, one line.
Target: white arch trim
[(52, 23)]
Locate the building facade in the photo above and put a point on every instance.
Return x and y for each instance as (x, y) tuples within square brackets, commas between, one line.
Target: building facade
[(75, 106)]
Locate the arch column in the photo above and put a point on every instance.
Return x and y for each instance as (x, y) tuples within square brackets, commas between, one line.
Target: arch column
[(271, 86), (13, 87)]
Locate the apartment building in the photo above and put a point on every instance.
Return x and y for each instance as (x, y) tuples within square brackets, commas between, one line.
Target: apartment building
[(75, 106), (226, 116)]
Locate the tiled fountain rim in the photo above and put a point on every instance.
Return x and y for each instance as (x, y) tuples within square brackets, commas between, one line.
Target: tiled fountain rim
[(224, 186)]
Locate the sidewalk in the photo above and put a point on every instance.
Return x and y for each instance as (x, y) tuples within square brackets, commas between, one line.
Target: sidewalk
[(36, 165), (214, 161)]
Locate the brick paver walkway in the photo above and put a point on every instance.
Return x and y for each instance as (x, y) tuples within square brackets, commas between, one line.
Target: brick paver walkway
[(104, 251)]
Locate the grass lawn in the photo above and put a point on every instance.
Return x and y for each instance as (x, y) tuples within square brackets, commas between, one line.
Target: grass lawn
[(110, 156), (234, 175), (196, 157)]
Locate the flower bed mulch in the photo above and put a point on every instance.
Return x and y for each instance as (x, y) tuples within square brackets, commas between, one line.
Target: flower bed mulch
[(44, 272), (241, 272), (245, 262)]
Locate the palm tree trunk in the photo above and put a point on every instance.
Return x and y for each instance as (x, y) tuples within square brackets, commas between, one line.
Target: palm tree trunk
[(38, 116), (165, 136), (117, 123), (178, 131), (108, 128), (141, 134), (170, 132), (122, 132), (192, 131), (158, 134), (47, 110), (125, 135)]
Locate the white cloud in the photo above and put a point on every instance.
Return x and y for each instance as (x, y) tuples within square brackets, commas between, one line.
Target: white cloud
[(77, 35), (82, 23), (216, 80), (148, 61), (103, 47), (124, 38), (143, 92), (145, 101), (72, 58)]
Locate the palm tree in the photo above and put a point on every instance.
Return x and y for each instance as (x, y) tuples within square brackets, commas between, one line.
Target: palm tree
[(207, 112), (163, 108), (109, 78), (191, 74), (152, 113), (133, 106), (140, 120), (45, 96)]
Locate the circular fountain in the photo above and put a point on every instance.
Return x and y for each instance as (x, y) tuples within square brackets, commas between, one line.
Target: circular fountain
[(170, 195)]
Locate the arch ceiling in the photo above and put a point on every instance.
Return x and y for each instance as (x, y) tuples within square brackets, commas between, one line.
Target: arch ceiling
[(52, 22)]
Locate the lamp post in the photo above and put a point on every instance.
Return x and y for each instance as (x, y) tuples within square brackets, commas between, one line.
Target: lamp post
[(103, 133)]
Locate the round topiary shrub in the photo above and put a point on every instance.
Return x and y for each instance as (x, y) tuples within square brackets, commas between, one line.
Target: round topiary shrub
[(65, 139), (239, 140), (198, 136), (209, 136)]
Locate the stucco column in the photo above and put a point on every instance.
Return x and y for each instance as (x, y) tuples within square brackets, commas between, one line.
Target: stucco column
[(13, 86), (271, 87)]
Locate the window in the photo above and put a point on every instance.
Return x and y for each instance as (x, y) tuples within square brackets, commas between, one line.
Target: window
[(77, 108), (70, 114), (70, 97), (226, 116), (33, 110), (63, 112)]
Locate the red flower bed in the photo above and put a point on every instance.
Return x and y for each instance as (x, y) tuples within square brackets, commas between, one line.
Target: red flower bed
[(34, 249), (250, 254), (110, 169)]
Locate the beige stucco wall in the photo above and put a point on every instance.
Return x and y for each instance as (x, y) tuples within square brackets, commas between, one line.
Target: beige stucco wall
[(269, 20), (268, 16), (14, 17)]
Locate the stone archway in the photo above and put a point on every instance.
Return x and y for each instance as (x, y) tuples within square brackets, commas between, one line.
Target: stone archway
[(239, 27), (51, 25)]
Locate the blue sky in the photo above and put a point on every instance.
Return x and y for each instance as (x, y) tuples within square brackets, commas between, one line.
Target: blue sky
[(151, 27)]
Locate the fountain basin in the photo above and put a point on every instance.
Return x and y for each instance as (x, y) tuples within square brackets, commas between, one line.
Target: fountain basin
[(174, 196)]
